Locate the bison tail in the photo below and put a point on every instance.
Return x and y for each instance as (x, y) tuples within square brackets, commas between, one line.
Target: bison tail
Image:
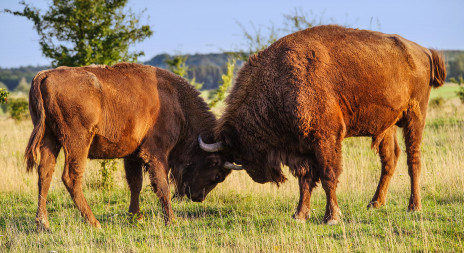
[(438, 69), (37, 111)]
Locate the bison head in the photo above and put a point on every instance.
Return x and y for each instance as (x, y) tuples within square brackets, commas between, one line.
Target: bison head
[(200, 174), (241, 151)]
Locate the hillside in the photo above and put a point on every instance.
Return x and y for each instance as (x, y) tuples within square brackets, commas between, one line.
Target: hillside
[(205, 68)]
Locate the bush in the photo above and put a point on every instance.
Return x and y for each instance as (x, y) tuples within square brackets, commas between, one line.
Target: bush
[(460, 82), (437, 102), (107, 167), (3, 96), (18, 108)]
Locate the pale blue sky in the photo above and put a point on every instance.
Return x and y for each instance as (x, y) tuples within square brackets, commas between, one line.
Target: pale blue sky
[(204, 26)]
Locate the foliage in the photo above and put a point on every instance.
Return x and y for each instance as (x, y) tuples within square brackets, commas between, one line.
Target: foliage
[(107, 169), (454, 64), (83, 32), (18, 108), (206, 68), (11, 76), (177, 65), (3, 96), (227, 79), (437, 102), (460, 82), (23, 86), (258, 40)]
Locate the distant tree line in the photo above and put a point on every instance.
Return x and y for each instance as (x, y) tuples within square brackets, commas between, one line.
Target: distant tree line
[(454, 64), (205, 68)]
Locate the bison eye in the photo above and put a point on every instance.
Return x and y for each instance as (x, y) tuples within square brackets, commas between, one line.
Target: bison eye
[(217, 178)]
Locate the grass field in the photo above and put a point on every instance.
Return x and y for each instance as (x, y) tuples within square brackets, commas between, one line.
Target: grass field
[(240, 215)]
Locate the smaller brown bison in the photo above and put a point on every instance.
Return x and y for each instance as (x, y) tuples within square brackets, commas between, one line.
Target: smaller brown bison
[(294, 103), (146, 115)]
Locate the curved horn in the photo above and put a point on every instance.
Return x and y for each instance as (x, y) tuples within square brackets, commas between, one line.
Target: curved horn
[(232, 166), (214, 147)]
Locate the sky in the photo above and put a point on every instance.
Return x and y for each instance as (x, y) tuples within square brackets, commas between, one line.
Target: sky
[(212, 26)]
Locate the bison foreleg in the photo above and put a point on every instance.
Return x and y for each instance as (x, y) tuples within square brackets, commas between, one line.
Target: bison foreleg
[(303, 211), (158, 171), (328, 155)]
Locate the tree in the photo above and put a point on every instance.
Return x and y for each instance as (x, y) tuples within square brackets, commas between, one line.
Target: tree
[(460, 82), (258, 40), (23, 86), (226, 82), (177, 65), (83, 32)]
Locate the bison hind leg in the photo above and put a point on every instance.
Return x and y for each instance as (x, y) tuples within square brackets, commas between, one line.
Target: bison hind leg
[(48, 152), (389, 152), (76, 153), (134, 176)]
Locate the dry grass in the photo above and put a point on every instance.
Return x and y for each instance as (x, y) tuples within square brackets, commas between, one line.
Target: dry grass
[(240, 215)]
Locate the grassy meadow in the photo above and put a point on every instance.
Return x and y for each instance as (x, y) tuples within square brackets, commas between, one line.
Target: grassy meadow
[(243, 216)]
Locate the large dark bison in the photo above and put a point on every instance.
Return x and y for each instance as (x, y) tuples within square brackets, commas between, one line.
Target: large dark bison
[(148, 116), (294, 102)]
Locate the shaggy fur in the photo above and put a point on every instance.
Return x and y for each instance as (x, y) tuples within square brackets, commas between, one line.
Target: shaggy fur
[(294, 102), (148, 116)]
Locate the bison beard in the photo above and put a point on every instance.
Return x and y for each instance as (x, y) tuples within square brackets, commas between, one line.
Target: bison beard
[(148, 116), (294, 102)]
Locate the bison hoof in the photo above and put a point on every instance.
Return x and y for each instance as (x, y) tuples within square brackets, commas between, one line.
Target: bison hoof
[(300, 217), (43, 227), (331, 222), (95, 224), (414, 208), (374, 204), (42, 224)]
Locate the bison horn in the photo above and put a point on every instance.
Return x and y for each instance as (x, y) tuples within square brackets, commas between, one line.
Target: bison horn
[(214, 147), (232, 166)]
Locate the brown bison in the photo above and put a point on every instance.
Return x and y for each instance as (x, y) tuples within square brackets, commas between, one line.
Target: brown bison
[(294, 102), (148, 116)]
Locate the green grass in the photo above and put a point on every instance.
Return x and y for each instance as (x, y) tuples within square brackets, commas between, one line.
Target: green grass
[(447, 91), (240, 215), (234, 222)]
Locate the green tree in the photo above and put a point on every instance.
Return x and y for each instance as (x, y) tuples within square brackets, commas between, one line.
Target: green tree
[(258, 40), (460, 82), (177, 65), (227, 79), (23, 86), (83, 32)]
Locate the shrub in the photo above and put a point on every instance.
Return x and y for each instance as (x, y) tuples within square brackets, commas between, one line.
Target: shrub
[(18, 108), (107, 167), (460, 82), (437, 102), (3, 96)]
